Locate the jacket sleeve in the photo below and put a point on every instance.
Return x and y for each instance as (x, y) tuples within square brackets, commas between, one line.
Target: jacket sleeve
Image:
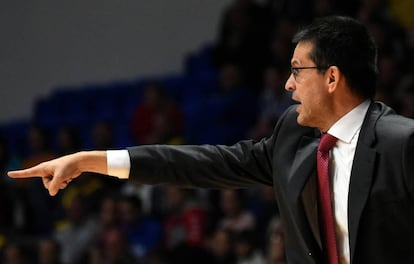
[(243, 164)]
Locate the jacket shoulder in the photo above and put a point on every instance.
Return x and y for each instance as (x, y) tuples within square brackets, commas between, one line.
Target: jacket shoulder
[(391, 123)]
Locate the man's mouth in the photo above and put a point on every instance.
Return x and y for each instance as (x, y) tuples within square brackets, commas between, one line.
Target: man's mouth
[(296, 100)]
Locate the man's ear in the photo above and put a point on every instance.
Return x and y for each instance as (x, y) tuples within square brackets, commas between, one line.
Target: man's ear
[(333, 77)]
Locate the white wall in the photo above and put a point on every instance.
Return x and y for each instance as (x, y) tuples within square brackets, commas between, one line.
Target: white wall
[(49, 43)]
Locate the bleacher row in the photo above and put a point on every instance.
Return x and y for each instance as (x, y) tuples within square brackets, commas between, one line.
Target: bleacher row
[(210, 116)]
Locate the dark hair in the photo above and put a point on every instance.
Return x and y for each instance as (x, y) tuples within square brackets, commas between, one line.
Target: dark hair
[(346, 43)]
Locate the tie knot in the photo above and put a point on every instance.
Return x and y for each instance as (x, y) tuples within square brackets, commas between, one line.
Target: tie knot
[(327, 142)]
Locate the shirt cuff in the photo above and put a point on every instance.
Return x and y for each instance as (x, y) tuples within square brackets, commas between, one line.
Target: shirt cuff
[(118, 163)]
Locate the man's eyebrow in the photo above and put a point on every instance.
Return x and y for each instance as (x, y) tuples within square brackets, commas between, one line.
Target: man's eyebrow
[(294, 62)]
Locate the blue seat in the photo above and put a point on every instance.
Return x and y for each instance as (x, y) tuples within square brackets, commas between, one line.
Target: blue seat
[(16, 134)]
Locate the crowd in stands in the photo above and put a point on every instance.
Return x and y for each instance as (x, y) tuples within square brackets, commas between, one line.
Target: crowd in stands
[(231, 90)]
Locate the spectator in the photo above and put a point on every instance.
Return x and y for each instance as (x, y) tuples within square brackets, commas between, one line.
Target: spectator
[(245, 249), (407, 107), (242, 38), (14, 254), (219, 247), (402, 10), (370, 10), (227, 107), (157, 119), (300, 10), (108, 218), (185, 221), (115, 249), (276, 243), (77, 233), (262, 203), (236, 218), (279, 46), (323, 8), (68, 141), (108, 214), (273, 101), (102, 137), (30, 192), (143, 233), (409, 45), (406, 96), (48, 251), (388, 79), (39, 147)]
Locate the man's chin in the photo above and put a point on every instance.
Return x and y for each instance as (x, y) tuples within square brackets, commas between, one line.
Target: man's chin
[(301, 120), (304, 122)]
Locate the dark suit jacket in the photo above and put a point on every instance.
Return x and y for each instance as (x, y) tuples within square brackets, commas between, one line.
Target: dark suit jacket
[(381, 193)]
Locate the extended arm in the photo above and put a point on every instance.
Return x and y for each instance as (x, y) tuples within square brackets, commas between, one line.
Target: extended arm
[(244, 164)]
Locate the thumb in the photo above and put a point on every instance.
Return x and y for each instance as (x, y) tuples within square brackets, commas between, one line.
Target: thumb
[(53, 189), (55, 184)]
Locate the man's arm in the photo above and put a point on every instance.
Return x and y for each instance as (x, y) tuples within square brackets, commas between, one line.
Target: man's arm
[(58, 173), (244, 164), (241, 165)]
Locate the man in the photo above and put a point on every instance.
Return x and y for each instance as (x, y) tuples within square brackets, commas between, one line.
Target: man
[(372, 177)]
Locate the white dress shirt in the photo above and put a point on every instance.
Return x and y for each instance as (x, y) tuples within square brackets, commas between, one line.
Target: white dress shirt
[(345, 129)]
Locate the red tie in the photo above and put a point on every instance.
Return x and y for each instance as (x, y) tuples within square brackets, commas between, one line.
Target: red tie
[(328, 224)]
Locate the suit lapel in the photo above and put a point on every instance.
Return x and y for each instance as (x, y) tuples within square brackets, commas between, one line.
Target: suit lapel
[(302, 196), (361, 174), (310, 205)]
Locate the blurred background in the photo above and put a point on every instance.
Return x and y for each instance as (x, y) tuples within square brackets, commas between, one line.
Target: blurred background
[(84, 75)]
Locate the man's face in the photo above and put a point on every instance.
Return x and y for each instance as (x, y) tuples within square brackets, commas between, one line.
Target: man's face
[(309, 88)]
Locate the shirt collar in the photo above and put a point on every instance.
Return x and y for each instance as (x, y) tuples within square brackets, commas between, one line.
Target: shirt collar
[(347, 126)]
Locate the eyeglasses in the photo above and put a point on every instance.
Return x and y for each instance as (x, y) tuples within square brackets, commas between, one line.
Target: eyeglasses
[(295, 70)]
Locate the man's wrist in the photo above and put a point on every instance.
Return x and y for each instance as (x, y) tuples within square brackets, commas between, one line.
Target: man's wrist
[(92, 161)]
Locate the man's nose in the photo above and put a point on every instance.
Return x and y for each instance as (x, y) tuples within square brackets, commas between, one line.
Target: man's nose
[(290, 83)]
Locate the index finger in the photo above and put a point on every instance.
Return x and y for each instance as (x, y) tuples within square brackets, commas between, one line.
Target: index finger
[(26, 173)]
